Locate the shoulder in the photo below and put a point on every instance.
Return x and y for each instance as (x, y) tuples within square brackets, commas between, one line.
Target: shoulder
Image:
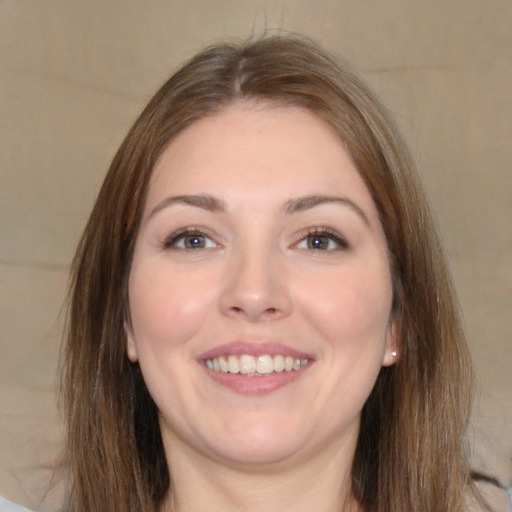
[(497, 498), (9, 506)]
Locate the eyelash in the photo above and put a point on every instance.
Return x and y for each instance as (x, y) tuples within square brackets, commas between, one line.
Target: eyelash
[(322, 232), (172, 240)]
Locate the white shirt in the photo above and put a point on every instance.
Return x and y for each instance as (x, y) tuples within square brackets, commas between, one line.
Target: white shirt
[(9, 506)]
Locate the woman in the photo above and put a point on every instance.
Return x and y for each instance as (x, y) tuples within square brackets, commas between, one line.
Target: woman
[(261, 315)]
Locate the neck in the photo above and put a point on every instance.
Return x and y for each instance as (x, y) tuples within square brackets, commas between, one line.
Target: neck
[(323, 484)]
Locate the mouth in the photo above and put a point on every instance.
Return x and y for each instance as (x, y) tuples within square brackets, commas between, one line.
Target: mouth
[(254, 368)]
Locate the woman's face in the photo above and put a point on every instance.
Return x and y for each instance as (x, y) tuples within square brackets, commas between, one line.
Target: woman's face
[(260, 290)]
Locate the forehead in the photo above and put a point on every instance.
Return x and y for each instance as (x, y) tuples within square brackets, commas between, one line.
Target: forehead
[(272, 150)]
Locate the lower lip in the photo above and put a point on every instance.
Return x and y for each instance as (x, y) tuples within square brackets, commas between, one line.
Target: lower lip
[(259, 385)]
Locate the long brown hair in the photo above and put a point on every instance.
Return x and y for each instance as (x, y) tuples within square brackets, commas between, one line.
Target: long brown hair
[(410, 455)]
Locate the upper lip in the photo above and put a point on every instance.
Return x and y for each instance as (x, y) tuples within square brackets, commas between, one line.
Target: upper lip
[(257, 348)]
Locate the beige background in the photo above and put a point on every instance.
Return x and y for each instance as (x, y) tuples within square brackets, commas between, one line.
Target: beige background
[(74, 74)]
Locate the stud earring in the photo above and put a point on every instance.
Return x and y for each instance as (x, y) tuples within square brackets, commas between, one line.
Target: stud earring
[(393, 353)]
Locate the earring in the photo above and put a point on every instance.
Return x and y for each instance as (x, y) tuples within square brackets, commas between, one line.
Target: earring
[(393, 353)]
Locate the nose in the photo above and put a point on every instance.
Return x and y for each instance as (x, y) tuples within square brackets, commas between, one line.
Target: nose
[(256, 288)]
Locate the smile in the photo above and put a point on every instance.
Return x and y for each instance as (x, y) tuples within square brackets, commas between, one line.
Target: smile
[(255, 366)]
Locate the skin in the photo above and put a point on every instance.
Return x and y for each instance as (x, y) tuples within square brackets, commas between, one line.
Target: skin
[(258, 279)]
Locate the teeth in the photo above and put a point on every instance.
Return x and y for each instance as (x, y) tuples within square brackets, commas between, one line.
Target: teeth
[(278, 363), (255, 366), (233, 364), (247, 364), (223, 364), (264, 365)]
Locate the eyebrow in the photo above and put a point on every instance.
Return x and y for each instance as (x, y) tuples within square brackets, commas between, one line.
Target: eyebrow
[(204, 201), (300, 204)]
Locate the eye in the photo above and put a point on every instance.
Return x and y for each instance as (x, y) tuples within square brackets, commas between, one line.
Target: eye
[(322, 239), (189, 239)]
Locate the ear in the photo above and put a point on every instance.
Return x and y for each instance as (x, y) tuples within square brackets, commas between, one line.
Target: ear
[(131, 345), (392, 349)]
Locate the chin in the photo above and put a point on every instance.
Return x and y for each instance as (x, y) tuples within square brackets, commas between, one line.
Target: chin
[(252, 454), (256, 445)]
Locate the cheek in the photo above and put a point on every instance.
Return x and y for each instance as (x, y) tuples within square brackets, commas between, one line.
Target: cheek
[(167, 307), (351, 308)]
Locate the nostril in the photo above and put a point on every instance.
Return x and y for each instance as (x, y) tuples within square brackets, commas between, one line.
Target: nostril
[(266, 312)]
